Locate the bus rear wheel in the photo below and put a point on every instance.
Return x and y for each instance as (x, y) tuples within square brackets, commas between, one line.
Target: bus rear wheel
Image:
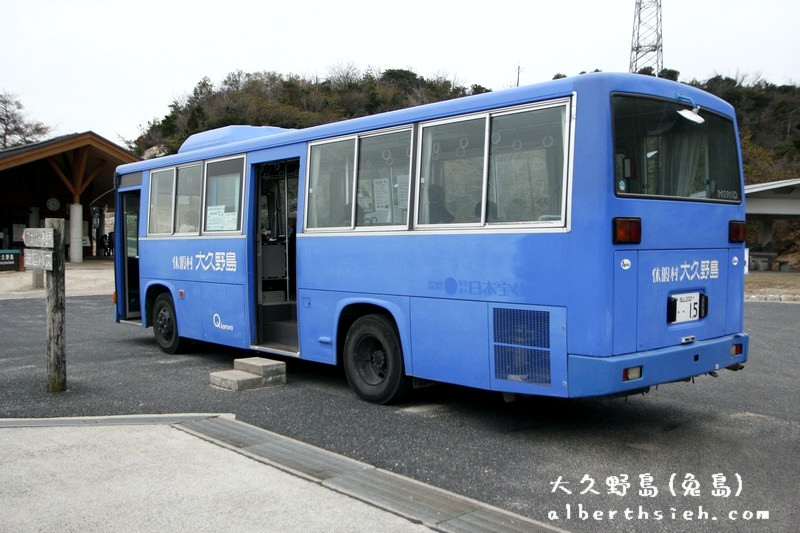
[(165, 325), (373, 360)]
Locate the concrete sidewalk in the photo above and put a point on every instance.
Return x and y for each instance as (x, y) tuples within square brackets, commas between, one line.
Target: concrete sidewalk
[(91, 277), (209, 473)]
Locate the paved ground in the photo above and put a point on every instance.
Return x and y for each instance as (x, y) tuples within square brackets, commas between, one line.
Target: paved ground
[(201, 472), (206, 472), (139, 474), (40, 459)]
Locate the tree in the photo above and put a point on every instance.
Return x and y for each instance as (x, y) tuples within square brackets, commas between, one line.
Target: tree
[(15, 129), (478, 89), (761, 164), (669, 74)]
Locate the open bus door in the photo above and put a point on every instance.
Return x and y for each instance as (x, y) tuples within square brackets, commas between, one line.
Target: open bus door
[(127, 248), (275, 253)]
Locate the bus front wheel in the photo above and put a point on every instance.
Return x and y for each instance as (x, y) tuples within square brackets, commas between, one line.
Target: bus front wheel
[(165, 325), (373, 360)]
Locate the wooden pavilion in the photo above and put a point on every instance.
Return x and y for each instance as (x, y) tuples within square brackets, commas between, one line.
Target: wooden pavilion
[(70, 177)]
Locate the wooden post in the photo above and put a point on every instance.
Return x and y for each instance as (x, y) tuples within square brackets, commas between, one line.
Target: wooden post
[(38, 278), (56, 333)]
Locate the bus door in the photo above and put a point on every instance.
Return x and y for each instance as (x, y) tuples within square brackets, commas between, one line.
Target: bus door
[(275, 252), (127, 247)]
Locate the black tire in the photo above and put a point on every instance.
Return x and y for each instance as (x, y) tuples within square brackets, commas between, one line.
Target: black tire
[(165, 324), (373, 360)]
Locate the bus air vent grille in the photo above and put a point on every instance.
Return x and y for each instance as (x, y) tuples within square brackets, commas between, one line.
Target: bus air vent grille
[(522, 345)]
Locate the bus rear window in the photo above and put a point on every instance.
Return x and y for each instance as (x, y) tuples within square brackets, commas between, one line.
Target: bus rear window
[(658, 152)]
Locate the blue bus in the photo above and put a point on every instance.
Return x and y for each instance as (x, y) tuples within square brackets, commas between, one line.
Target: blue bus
[(579, 237)]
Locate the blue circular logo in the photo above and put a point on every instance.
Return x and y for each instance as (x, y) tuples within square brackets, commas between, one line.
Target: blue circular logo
[(450, 286)]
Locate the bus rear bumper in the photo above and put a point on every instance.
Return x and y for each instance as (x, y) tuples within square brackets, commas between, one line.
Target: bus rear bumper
[(603, 376)]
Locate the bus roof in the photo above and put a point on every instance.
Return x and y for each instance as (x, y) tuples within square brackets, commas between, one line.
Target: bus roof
[(231, 140), (227, 135)]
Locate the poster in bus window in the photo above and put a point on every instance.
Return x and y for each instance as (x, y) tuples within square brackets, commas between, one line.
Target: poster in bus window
[(383, 200), (365, 197), (402, 191), (218, 220)]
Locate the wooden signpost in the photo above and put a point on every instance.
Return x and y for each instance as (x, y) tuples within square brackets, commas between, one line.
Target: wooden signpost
[(45, 250)]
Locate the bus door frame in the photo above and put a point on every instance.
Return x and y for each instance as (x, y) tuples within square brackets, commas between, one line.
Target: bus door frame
[(129, 202), (266, 236)]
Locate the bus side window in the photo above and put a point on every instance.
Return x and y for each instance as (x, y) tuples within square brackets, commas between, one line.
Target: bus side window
[(223, 195), (526, 166), (451, 171), (161, 201), (189, 189), (330, 185), (384, 162)]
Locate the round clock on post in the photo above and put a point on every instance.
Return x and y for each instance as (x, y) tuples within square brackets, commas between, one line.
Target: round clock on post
[(53, 204)]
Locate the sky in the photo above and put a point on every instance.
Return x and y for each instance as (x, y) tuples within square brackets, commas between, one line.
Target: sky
[(113, 66)]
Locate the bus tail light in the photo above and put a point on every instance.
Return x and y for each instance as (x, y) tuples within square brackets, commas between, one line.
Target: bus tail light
[(737, 231), (634, 372), (627, 230), (114, 297), (736, 349)]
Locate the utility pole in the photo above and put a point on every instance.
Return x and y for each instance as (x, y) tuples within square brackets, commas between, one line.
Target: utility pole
[(646, 44)]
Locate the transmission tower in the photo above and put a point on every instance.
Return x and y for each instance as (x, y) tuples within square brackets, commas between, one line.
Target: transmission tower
[(646, 47)]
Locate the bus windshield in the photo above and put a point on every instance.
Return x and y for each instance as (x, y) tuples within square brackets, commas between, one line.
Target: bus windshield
[(661, 153)]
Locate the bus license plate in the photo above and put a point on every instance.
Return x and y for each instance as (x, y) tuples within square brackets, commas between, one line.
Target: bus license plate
[(684, 307)]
